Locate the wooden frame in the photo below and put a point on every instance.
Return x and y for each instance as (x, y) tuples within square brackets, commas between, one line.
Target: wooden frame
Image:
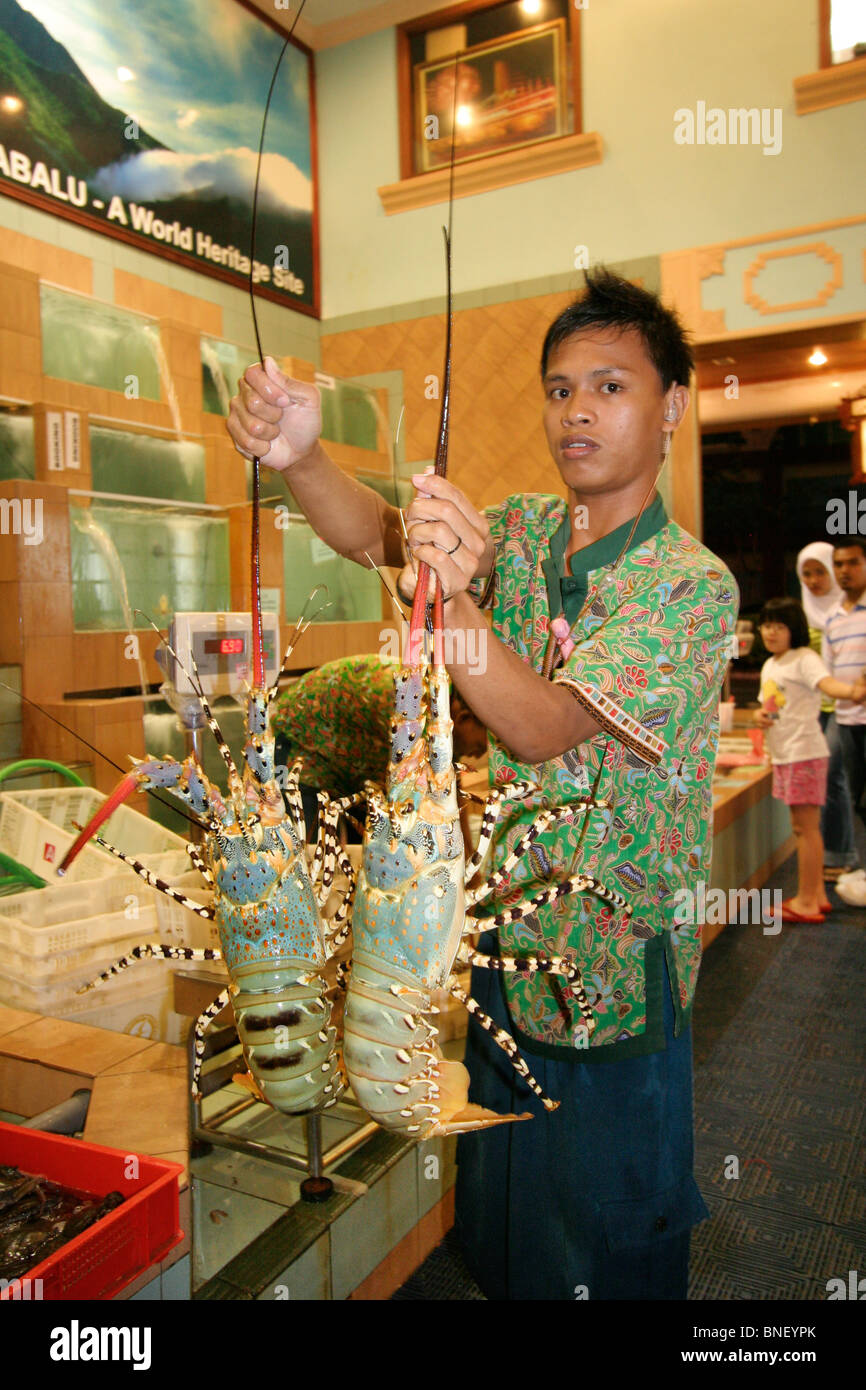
[(60, 205), (435, 154), (440, 20)]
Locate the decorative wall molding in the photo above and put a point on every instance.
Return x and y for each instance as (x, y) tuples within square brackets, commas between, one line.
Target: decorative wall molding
[(494, 171), (834, 86), (816, 248)]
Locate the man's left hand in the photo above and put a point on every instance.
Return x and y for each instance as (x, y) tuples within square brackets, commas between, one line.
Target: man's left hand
[(447, 533)]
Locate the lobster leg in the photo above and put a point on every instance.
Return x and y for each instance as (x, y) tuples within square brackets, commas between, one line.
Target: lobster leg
[(548, 965), (293, 797), (202, 1024), (199, 861), (542, 822), (553, 965), (503, 1040), (578, 883), (152, 951), (493, 807), (159, 884)]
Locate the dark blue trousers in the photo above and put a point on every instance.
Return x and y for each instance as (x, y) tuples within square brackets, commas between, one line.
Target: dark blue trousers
[(594, 1200), (837, 815)]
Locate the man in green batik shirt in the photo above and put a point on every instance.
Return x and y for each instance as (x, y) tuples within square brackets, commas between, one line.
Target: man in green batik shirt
[(610, 631)]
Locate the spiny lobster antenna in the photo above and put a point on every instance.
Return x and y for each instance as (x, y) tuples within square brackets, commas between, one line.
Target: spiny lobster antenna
[(172, 806), (195, 682), (419, 606), (395, 602), (300, 628), (255, 566)]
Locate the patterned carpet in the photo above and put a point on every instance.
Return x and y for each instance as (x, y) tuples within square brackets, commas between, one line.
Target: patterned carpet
[(780, 1116)]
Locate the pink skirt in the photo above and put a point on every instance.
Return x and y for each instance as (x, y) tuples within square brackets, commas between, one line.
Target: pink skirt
[(801, 784)]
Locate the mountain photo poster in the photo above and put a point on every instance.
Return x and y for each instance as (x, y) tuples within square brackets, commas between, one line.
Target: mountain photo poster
[(143, 121)]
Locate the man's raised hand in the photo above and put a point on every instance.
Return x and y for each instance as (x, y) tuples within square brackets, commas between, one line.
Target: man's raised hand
[(446, 531), (274, 417)]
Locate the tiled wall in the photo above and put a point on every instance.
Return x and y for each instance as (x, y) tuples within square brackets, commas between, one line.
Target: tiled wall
[(36, 610), (497, 445)]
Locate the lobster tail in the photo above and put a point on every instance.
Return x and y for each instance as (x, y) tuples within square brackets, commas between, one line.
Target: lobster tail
[(397, 1072), (282, 1021)]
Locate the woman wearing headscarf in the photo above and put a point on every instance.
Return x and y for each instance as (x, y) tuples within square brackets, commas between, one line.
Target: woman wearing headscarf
[(820, 594)]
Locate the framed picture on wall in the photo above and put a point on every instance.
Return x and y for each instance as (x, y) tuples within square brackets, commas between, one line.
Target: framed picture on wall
[(143, 123), (510, 92)]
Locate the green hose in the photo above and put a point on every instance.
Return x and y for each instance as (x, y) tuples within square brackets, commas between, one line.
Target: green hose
[(46, 764), (14, 876)]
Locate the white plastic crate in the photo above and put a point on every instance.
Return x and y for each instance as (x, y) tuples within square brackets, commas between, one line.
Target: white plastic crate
[(139, 1001), (71, 916), (38, 827), (179, 925), (68, 969)]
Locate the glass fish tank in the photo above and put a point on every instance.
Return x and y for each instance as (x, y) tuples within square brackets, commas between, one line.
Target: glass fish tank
[(134, 562), (222, 363), (17, 452), (355, 594), (147, 465), (99, 344)]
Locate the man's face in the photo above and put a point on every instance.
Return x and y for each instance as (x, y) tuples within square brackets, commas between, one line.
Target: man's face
[(849, 562), (604, 410)]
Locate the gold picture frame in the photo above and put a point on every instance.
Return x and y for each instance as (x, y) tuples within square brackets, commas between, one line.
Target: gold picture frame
[(511, 92)]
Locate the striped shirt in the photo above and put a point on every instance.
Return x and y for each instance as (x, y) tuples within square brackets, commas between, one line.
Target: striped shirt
[(844, 650)]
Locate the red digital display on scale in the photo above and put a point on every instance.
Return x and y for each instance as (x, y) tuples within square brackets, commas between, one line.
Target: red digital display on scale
[(225, 646)]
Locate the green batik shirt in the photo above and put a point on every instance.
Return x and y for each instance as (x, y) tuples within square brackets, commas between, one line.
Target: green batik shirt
[(338, 719), (652, 639)]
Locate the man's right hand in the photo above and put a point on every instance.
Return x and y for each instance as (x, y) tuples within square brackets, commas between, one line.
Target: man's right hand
[(274, 417)]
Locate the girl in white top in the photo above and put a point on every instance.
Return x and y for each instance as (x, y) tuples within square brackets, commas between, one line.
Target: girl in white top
[(791, 684)]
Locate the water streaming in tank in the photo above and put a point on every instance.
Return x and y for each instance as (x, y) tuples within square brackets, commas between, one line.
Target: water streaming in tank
[(85, 522), (98, 344), (222, 364), (147, 465), (171, 561), (151, 334)]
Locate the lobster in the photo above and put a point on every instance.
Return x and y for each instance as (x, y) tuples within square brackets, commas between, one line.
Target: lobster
[(267, 902), (414, 912)]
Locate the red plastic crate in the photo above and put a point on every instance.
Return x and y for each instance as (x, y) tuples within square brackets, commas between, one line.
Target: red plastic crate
[(104, 1259)]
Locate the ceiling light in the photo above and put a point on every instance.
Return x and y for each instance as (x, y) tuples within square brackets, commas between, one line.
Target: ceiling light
[(818, 358), (530, 6)]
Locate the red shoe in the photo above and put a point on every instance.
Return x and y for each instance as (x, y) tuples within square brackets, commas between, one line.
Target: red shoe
[(825, 906), (789, 915)]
